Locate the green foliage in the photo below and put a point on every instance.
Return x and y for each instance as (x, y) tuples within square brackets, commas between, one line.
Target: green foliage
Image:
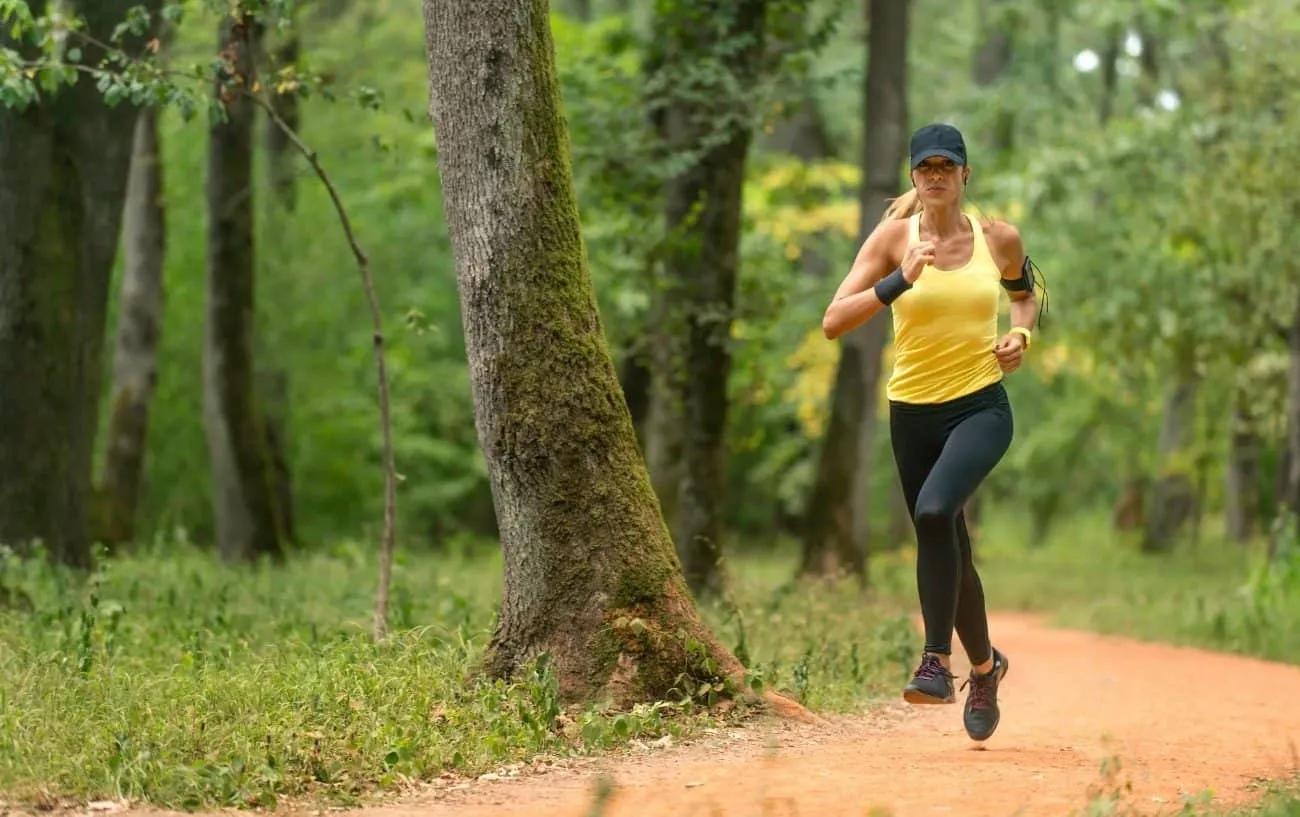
[(168, 677)]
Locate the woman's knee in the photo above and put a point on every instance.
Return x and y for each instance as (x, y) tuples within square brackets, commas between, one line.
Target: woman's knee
[(934, 513)]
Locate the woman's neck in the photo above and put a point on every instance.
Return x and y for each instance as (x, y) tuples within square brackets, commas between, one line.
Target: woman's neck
[(944, 220)]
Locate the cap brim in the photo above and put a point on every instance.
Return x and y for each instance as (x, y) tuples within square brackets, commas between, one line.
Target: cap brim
[(947, 154)]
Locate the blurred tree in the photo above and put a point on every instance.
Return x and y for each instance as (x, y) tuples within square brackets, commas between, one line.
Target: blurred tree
[(279, 64), (836, 523), (707, 118), (139, 326), (248, 523), (63, 178)]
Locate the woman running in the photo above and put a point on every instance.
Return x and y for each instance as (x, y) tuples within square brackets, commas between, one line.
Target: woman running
[(940, 271)]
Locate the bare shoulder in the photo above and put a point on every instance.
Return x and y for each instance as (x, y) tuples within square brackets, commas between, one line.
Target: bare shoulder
[(889, 239), (1004, 242)]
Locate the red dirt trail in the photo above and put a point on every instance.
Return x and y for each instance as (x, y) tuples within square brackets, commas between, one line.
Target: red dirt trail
[(1180, 721)]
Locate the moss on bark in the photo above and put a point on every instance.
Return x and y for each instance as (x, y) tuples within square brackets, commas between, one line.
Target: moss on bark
[(586, 550)]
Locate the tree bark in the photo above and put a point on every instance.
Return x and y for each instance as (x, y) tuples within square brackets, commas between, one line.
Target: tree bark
[(840, 493), (664, 417), (1289, 500), (804, 134), (273, 378), (634, 378), (135, 358), (63, 178), (702, 213), (247, 520), (280, 154), (590, 577), (1173, 496), (1243, 472), (991, 61)]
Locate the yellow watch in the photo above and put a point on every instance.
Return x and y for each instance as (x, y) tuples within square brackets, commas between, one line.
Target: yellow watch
[(1026, 334)]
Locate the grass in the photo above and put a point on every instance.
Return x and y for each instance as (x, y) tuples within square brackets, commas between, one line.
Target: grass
[(172, 679), (1214, 594)]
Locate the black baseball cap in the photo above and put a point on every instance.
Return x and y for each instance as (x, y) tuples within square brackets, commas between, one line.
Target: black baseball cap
[(938, 139)]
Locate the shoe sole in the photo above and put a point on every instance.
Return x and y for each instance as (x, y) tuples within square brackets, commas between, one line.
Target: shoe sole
[(916, 696), (1006, 669)]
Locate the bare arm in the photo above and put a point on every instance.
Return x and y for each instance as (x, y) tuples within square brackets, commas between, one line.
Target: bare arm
[(1009, 251), (855, 301)]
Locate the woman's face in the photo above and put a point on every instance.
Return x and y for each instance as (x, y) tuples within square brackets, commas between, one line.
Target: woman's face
[(939, 180)]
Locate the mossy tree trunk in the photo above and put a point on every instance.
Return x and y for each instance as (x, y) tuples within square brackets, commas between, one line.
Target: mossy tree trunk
[(247, 519), (837, 507), (590, 577), (135, 357), (706, 118), (63, 176)]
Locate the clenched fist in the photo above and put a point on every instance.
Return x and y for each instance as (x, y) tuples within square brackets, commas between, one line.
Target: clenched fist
[(1010, 351), (918, 255)]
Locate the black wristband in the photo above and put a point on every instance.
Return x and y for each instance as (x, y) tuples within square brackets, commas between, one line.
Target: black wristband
[(888, 289)]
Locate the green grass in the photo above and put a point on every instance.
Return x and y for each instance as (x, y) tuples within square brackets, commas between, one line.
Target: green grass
[(1280, 798), (173, 679), (1214, 594)]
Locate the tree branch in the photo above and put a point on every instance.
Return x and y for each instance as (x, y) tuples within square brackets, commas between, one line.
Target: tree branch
[(380, 625)]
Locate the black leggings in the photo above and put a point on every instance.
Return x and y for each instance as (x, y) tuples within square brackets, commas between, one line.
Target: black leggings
[(943, 452)]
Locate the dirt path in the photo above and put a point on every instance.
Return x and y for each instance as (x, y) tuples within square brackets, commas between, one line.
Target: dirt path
[(1180, 722)]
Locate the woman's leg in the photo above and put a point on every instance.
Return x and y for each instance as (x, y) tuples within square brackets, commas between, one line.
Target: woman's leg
[(916, 437), (974, 446), (972, 620)]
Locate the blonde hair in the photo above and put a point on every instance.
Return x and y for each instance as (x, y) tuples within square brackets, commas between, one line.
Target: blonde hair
[(909, 204), (904, 206)]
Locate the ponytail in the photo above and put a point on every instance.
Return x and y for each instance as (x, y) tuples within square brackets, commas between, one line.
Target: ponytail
[(904, 206)]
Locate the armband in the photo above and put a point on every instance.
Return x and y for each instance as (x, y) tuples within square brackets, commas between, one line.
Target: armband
[(888, 289), (1029, 275), (1025, 283)]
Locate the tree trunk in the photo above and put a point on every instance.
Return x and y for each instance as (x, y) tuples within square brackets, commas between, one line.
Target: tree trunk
[(804, 134), (1289, 500), (577, 9), (1243, 472), (247, 520), (1173, 496), (590, 577), (63, 178), (702, 213), (634, 378), (1128, 513), (273, 377), (828, 545), (901, 532), (280, 154), (664, 420), (1110, 73), (135, 359), (991, 61), (843, 486)]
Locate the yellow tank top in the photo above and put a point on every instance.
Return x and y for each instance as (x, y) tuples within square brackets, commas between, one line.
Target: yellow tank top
[(945, 328)]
